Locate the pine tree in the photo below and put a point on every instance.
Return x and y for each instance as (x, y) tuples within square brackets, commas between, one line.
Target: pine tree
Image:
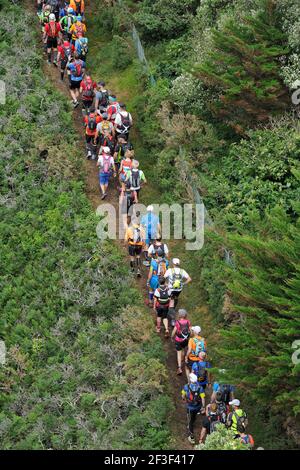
[(258, 349), (245, 66)]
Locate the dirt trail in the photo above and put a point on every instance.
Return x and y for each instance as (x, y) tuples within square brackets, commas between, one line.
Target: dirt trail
[(178, 421)]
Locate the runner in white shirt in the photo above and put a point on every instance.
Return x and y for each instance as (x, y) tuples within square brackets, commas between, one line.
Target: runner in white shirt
[(177, 278), (123, 121), (158, 249)]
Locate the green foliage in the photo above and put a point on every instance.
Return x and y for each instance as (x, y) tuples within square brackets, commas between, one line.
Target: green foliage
[(256, 174), (244, 51), (244, 65), (121, 53), (164, 19), (264, 289), (222, 439), (68, 382)]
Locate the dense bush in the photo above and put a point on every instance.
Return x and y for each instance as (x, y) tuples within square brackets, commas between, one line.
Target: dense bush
[(222, 439), (164, 19), (256, 174)]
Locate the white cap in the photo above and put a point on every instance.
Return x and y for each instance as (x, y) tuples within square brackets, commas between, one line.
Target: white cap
[(150, 209), (51, 16), (196, 329), (235, 402), (193, 378), (176, 261), (106, 149)]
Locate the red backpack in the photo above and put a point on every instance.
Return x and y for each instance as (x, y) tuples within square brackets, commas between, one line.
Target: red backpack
[(78, 68), (88, 92), (52, 29)]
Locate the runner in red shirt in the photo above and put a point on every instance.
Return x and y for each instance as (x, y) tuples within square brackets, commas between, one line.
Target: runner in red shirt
[(65, 53), (112, 109), (91, 121), (87, 90), (52, 31)]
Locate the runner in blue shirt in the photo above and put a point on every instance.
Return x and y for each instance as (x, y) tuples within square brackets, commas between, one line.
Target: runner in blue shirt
[(150, 222), (77, 70)]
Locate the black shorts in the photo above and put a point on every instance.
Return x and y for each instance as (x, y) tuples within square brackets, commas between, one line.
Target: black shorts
[(180, 345), (63, 63), (75, 84), (51, 43), (206, 424), (190, 364), (162, 312), (87, 103), (175, 294), (90, 139), (135, 250)]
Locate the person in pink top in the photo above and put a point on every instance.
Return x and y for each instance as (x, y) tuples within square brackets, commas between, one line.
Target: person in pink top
[(106, 165), (180, 335)]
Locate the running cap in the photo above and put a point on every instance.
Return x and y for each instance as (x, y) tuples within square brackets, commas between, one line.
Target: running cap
[(176, 261), (193, 378), (235, 402), (196, 329)]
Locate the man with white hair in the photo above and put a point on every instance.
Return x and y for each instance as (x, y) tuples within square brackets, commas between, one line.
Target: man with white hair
[(150, 222), (106, 164), (177, 278), (194, 396)]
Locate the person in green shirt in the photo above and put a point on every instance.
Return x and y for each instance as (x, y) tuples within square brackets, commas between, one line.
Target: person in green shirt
[(66, 23), (237, 419)]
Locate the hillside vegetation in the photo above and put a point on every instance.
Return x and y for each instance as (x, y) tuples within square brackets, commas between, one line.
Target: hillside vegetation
[(71, 379), (224, 73)]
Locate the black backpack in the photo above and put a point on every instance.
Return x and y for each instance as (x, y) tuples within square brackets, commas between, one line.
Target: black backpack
[(54, 4), (225, 393), (184, 331), (240, 421), (193, 397), (135, 179), (202, 374), (104, 99), (67, 52), (214, 420), (125, 125), (222, 411), (164, 297), (159, 250), (92, 124)]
